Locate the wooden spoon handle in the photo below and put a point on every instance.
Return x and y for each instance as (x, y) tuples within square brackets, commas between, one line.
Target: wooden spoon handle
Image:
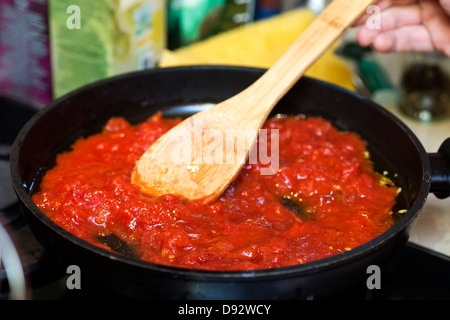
[(304, 51)]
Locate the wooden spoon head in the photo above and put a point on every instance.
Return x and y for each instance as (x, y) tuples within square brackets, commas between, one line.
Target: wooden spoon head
[(198, 158), (201, 162)]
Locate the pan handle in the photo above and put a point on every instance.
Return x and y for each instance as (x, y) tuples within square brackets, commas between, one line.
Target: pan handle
[(440, 171)]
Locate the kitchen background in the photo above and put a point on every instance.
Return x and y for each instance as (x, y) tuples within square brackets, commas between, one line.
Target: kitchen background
[(51, 47)]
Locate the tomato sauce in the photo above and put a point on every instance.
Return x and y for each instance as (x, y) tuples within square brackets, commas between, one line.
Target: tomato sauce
[(325, 199)]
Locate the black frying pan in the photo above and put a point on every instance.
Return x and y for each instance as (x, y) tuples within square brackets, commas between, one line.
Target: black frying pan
[(183, 91)]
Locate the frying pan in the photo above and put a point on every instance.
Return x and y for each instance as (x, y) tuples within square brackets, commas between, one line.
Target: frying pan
[(181, 91)]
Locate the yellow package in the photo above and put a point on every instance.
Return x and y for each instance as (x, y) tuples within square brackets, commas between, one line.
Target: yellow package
[(260, 45)]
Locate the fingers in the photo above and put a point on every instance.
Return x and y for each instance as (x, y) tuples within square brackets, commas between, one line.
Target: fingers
[(407, 25), (437, 21), (390, 19), (383, 5), (405, 39), (445, 4)]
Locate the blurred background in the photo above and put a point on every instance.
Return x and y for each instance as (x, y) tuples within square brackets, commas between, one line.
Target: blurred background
[(50, 47)]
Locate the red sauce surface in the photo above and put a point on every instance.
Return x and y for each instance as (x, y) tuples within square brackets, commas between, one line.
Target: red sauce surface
[(327, 172)]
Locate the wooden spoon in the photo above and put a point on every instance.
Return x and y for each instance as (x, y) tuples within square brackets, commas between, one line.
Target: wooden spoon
[(201, 156)]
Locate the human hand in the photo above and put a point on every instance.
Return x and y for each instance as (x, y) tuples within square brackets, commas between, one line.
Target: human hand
[(409, 25)]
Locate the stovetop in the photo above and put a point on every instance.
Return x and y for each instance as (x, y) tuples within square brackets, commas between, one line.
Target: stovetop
[(416, 273)]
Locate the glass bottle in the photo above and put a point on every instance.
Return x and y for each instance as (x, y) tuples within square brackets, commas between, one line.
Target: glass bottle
[(425, 87)]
